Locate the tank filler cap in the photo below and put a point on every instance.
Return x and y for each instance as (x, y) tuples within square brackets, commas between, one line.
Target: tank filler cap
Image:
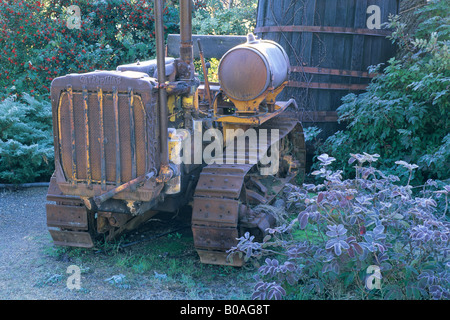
[(252, 39)]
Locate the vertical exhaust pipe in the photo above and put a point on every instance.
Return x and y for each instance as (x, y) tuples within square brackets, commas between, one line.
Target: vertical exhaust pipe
[(165, 172), (186, 73), (186, 44)]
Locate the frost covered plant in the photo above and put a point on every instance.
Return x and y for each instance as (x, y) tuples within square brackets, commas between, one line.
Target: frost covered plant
[(339, 228), (408, 166), (338, 240)]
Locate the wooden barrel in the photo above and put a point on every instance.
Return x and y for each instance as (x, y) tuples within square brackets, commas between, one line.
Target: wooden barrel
[(331, 44)]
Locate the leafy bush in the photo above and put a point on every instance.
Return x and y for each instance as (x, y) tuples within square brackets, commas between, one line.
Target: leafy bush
[(404, 113), (434, 17), (213, 17), (26, 143), (38, 44), (345, 229)]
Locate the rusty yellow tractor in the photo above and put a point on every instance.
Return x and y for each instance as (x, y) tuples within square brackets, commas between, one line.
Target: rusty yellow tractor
[(150, 137)]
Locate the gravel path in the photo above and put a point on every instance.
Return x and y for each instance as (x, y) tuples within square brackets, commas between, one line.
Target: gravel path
[(29, 268), (22, 234)]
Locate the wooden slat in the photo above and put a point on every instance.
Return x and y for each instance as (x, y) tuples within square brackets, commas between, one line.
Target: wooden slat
[(318, 116), (359, 40), (325, 29), (307, 38), (213, 46), (328, 86), (332, 72)]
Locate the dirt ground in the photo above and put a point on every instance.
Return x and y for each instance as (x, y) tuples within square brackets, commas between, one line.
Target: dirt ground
[(30, 269)]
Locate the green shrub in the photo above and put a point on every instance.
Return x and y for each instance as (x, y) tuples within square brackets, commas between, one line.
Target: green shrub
[(37, 43), (212, 17), (26, 140)]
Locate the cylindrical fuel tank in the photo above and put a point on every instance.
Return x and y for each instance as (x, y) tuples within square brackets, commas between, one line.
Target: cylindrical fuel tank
[(248, 70)]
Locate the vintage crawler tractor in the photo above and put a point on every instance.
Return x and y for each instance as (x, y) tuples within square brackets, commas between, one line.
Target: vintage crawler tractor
[(148, 137)]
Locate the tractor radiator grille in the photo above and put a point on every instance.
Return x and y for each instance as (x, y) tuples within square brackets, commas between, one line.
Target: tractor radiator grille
[(102, 136)]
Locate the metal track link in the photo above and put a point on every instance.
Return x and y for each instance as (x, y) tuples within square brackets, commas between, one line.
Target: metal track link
[(220, 214), (68, 219), (215, 213)]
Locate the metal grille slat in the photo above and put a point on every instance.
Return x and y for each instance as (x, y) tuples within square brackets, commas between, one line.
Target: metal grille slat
[(102, 139), (72, 133), (86, 127), (132, 134), (117, 133)]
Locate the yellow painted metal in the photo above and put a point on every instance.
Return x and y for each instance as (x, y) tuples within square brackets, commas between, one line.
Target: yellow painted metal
[(171, 105), (196, 105), (165, 174), (188, 102), (246, 107), (248, 113), (272, 94), (176, 140), (254, 120)]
